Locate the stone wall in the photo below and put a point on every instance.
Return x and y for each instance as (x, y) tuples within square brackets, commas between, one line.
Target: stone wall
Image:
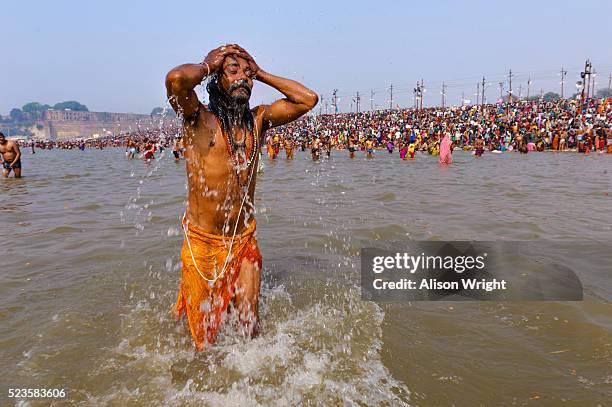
[(68, 124)]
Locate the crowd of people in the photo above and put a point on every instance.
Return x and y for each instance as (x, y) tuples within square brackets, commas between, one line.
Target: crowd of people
[(522, 126), (138, 140)]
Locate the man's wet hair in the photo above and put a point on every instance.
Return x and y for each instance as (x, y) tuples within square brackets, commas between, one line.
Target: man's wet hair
[(232, 112), (2, 134)]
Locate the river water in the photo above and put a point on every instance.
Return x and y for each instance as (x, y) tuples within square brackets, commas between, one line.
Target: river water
[(89, 260)]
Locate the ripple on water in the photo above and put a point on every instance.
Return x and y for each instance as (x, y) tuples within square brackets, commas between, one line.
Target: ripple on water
[(89, 207), (62, 230), (13, 206), (386, 197)]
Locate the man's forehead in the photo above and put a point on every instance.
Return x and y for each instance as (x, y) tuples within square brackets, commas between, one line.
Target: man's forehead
[(234, 59)]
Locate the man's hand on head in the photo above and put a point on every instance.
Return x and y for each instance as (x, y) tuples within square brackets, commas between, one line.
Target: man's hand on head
[(254, 67), (215, 58)]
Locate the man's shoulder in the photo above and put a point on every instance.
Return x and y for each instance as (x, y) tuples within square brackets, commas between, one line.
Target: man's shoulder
[(258, 116), (257, 110), (204, 114)]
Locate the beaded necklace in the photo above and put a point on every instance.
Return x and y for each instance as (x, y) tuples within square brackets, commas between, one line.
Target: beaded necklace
[(237, 151)]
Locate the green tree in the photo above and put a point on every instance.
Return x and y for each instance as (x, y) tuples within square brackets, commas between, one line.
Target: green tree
[(34, 107), (34, 111), (72, 105), (17, 115)]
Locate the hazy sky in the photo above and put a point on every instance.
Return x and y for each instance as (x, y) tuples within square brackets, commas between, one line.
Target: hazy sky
[(113, 55)]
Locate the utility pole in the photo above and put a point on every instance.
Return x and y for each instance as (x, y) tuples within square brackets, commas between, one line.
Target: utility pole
[(588, 85), (321, 104), (357, 99), (520, 91), (422, 90), (443, 95), (418, 94), (585, 78), (593, 75), (501, 91), (335, 100), (528, 86), (609, 83), (391, 98), (482, 99), (510, 91), (462, 98), (372, 99), (563, 73)]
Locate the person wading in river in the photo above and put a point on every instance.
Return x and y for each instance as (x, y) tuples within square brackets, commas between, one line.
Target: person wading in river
[(221, 259), (11, 157)]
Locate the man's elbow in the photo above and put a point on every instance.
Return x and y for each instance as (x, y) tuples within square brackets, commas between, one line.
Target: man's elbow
[(311, 100), (174, 80)]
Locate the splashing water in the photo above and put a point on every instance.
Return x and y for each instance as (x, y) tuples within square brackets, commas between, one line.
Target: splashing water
[(314, 351)]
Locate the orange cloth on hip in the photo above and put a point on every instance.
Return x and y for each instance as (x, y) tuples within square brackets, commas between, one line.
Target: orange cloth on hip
[(204, 301)]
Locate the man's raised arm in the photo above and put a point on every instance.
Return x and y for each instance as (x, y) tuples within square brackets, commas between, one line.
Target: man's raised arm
[(180, 84), (298, 98), (182, 80)]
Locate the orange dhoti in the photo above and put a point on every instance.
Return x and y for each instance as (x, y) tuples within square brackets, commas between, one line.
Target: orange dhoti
[(205, 301)]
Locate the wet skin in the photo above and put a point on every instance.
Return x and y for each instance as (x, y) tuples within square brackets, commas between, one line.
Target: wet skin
[(215, 189), (10, 152)]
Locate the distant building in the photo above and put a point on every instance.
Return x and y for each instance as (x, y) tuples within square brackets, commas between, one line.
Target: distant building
[(69, 124)]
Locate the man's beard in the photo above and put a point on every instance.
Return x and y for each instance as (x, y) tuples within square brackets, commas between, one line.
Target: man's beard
[(232, 111)]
